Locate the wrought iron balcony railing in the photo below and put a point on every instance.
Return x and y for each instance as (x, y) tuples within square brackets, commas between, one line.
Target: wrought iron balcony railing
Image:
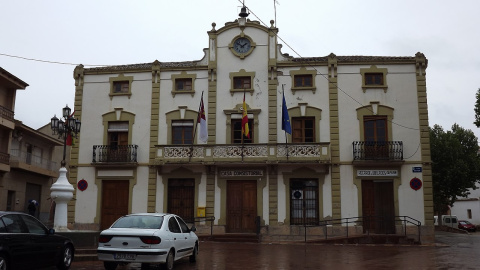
[(308, 152), (378, 150), (114, 153)]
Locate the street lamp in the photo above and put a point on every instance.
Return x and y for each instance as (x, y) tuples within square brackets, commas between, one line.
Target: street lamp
[(62, 190), (65, 129)]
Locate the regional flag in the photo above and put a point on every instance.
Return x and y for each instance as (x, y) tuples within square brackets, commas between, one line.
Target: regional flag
[(245, 130), (285, 117), (202, 120)]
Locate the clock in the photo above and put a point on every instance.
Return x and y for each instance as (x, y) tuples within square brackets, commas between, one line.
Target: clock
[(242, 45)]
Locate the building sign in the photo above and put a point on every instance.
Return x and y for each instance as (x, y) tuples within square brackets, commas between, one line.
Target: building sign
[(377, 173), (416, 169), (241, 173)]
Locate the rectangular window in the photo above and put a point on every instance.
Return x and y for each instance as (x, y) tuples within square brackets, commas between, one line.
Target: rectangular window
[(303, 80), (182, 132), (376, 137), (117, 150), (373, 78), (242, 83), (183, 84), (375, 128), (303, 129), (303, 201), (237, 136), (469, 213), (121, 87)]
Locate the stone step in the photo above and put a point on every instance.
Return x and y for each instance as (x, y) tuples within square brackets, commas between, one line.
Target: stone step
[(243, 238)]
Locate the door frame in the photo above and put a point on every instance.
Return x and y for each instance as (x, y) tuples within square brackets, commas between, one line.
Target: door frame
[(102, 214), (177, 173), (127, 175), (222, 185), (191, 192), (397, 181)]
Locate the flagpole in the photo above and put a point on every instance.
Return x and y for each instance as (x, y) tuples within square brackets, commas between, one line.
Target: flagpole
[(243, 146), (196, 124), (286, 138)]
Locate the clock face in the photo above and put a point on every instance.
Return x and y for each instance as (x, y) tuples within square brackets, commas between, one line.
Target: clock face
[(242, 45)]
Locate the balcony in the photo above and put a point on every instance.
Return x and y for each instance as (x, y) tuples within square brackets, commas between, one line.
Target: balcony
[(249, 153), (7, 114), (27, 161), (4, 162), (115, 154), (378, 151)]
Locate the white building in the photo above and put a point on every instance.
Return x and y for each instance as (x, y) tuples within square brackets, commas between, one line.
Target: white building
[(359, 145), (468, 208)]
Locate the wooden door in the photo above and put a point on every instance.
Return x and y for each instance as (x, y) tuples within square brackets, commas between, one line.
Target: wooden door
[(181, 198), (241, 206), (368, 206), (378, 206), (115, 201), (384, 207)]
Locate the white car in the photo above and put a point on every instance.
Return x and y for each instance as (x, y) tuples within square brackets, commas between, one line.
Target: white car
[(147, 238)]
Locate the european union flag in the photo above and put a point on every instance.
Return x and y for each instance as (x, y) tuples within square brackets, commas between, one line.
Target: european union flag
[(285, 118)]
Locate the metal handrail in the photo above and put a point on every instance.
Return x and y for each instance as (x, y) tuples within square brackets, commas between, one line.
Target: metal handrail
[(207, 218), (346, 221), (32, 159)]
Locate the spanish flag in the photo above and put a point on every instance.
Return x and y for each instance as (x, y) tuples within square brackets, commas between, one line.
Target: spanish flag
[(203, 122), (245, 130)]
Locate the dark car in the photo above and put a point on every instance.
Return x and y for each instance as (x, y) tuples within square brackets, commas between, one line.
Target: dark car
[(25, 243), (466, 225)]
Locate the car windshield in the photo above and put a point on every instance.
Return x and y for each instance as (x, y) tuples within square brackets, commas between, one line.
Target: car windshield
[(142, 222), (465, 222)]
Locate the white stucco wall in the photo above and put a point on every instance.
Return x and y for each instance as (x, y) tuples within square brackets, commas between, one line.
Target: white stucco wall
[(471, 202), (410, 201), (256, 62)]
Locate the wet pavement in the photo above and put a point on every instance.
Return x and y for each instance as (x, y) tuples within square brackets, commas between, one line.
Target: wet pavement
[(451, 251)]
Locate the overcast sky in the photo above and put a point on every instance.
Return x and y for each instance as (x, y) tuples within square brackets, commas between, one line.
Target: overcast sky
[(116, 32)]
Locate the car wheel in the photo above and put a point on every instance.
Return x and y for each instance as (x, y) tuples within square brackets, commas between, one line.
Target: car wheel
[(66, 259), (169, 263), (110, 265), (193, 257), (3, 262)]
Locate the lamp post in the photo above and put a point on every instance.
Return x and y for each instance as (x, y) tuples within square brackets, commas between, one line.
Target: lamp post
[(62, 190)]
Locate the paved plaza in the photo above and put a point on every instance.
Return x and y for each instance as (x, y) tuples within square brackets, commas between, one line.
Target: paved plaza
[(451, 251)]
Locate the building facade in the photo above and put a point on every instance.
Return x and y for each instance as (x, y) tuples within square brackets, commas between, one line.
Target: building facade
[(359, 139), (28, 166), (468, 208)]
